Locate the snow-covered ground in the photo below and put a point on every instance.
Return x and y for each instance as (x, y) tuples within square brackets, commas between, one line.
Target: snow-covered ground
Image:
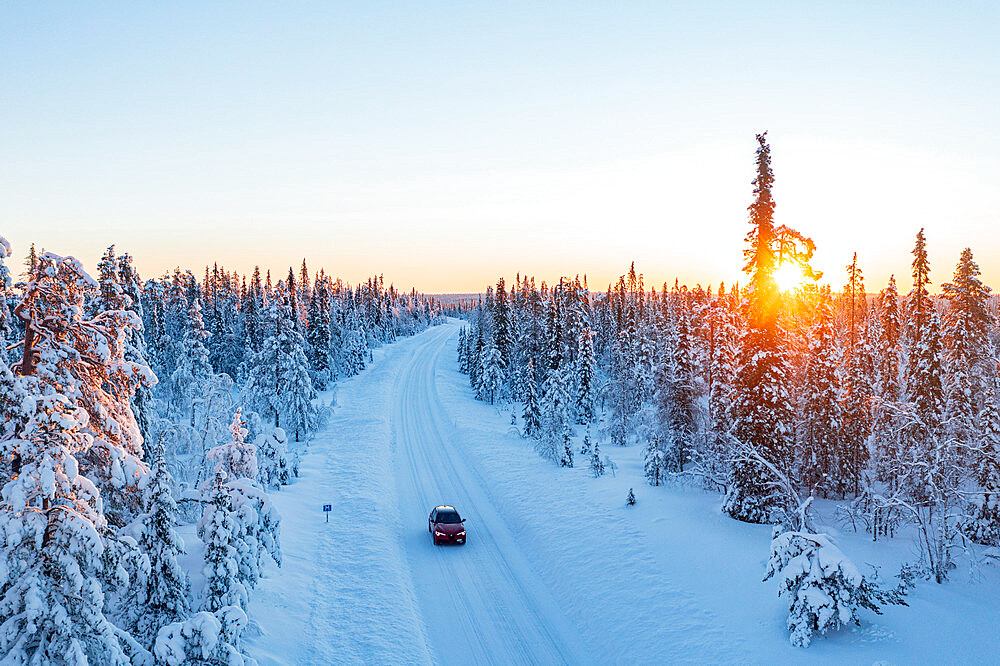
[(557, 568)]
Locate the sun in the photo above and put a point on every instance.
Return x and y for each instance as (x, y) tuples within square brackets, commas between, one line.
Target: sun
[(789, 277)]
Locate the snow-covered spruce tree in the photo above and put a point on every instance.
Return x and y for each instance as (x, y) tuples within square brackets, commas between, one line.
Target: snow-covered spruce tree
[(278, 384), (763, 411), (257, 522), (984, 524), (318, 334), (655, 460), (273, 466), (555, 417), (503, 339), (532, 415), (51, 601), (919, 305), (587, 446), (204, 639), (16, 408), (924, 381), (355, 352), (932, 472), (857, 378), (301, 415), (193, 369), (136, 350), (712, 462), (119, 289), (821, 424), (887, 343), (623, 389), (886, 449), (236, 458), (6, 321), (824, 589), (968, 354), (584, 377), (675, 397), (167, 590), (218, 528), (491, 377), (596, 464), (463, 354), (476, 356), (857, 413)]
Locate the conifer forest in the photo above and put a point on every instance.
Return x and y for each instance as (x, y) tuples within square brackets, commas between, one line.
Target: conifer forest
[(557, 334), (133, 408)]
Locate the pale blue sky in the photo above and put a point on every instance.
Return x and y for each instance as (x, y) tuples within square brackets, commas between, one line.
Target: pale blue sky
[(446, 143)]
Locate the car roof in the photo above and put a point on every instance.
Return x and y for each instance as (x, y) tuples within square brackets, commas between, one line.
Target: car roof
[(445, 506)]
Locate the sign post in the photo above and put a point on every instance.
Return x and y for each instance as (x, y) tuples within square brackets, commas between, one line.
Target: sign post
[(327, 508)]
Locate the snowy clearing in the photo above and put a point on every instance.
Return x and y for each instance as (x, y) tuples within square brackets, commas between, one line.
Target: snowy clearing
[(557, 568)]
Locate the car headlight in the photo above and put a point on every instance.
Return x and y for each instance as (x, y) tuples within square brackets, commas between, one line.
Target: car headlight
[(436, 533), (462, 534)]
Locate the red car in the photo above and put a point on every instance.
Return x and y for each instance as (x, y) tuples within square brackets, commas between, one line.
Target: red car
[(446, 525)]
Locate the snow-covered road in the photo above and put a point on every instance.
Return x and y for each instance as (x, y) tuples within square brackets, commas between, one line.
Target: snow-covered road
[(480, 602), (557, 568)]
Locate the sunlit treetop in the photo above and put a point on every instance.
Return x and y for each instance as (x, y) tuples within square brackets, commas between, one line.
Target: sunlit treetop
[(777, 257)]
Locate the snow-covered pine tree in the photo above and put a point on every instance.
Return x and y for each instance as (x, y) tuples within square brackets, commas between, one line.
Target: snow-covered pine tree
[(84, 360), (166, 597)]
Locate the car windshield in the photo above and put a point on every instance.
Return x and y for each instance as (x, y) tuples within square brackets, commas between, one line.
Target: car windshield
[(448, 517)]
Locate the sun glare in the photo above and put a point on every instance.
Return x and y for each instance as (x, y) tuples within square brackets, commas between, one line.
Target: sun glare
[(789, 277)]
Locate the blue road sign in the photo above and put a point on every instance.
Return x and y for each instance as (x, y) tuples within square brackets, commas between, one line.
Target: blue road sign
[(328, 507)]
